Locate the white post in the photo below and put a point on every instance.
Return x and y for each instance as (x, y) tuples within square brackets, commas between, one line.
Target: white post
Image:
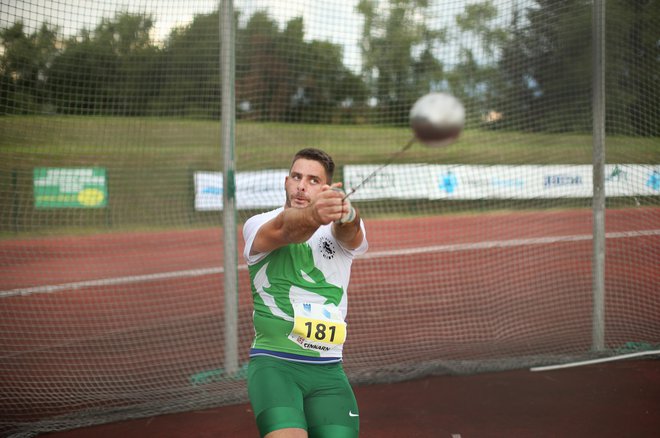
[(227, 68), (598, 100)]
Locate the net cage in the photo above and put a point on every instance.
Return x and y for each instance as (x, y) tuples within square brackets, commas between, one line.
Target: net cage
[(484, 255)]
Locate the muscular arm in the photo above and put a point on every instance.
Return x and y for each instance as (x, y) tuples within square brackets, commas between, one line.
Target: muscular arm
[(349, 233), (293, 225), (296, 225)]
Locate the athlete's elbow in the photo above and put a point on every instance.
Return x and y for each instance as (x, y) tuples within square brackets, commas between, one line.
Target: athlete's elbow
[(296, 236)]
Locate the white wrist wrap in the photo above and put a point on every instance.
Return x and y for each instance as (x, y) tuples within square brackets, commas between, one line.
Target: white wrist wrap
[(350, 216)]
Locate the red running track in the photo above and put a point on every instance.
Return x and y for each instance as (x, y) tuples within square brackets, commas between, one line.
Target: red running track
[(479, 269)]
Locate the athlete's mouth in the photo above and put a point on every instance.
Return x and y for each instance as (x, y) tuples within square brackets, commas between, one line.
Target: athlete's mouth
[(300, 200)]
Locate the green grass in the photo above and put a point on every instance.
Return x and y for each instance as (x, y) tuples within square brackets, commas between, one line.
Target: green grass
[(150, 163), (264, 145)]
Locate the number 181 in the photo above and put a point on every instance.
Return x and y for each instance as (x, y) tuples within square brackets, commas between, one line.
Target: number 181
[(320, 332)]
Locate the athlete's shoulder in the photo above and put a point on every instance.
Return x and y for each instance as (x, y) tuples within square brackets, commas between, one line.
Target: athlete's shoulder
[(254, 222), (250, 229)]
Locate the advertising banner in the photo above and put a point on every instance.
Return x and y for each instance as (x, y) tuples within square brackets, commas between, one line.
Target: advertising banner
[(265, 188), (70, 187), (422, 181), (396, 181), (254, 189)]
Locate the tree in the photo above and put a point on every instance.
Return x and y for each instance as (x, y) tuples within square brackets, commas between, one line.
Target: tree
[(474, 80), (391, 39), (107, 71), (190, 70), (561, 64), (633, 67), (546, 67), (24, 67), (285, 78), (265, 76)]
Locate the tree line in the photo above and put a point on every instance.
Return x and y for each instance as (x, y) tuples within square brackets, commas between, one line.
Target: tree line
[(532, 71)]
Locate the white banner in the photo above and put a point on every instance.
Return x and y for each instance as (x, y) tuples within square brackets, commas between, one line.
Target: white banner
[(422, 181), (511, 182), (254, 189), (265, 188), (397, 181)]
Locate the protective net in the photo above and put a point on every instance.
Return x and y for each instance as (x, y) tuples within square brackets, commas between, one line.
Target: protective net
[(111, 250)]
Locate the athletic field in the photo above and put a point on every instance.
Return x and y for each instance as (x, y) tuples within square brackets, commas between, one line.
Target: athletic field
[(129, 273)]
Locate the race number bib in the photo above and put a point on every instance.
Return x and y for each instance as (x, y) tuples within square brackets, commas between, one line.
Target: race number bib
[(317, 327)]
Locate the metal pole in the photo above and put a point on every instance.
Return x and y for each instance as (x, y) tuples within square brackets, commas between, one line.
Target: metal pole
[(598, 100), (227, 68)]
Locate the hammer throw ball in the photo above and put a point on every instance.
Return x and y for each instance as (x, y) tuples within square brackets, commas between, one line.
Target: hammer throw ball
[(437, 119)]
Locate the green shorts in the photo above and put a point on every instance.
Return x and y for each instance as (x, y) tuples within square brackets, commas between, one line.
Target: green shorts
[(314, 397)]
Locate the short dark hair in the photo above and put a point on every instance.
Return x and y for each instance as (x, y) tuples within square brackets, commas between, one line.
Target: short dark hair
[(317, 155)]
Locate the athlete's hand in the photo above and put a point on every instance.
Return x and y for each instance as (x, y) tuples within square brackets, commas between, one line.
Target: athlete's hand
[(329, 205), (347, 211)]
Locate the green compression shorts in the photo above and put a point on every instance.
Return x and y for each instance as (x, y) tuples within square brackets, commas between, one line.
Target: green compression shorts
[(314, 397)]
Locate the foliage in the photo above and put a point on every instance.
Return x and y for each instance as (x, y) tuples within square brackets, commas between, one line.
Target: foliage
[(532, 72), (546, 67), (633, 67), (390, 37), (473, 82), (24, 67)]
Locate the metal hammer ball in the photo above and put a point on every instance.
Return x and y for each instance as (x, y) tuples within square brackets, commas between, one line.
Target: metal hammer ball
[(437, 119)]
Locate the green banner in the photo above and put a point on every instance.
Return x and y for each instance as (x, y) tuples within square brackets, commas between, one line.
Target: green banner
[(70, 188)]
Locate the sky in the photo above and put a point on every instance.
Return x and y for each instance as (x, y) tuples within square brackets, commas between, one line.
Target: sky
[(330, 20)]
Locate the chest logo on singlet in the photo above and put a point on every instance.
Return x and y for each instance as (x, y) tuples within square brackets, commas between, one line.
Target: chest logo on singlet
[(327, 248)]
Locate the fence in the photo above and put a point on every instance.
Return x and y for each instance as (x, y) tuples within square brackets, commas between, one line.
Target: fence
[(123, 295)]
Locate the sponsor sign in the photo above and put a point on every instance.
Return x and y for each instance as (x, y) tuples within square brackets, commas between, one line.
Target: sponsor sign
[(70, 187), (396, 181), (421, 181), (254, 189), (265, 189)]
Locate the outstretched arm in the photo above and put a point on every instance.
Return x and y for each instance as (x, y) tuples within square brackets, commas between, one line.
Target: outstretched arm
[(296, 225), (347, 229), (349, 233)]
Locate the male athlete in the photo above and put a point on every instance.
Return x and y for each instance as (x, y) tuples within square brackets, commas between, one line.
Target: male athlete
[(299, 257)]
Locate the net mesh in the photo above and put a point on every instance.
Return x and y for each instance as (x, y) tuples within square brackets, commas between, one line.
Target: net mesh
[(111, 257)]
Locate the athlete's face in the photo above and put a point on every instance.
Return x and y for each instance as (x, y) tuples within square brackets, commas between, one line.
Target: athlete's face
[(305, 180)]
